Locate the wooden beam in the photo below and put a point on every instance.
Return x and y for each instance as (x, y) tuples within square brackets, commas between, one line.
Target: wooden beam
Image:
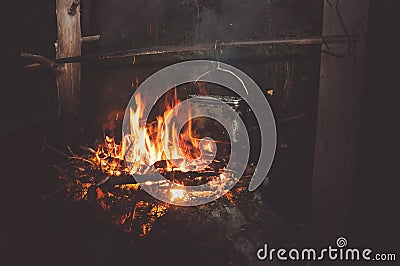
[(69, 44), (339, 106)]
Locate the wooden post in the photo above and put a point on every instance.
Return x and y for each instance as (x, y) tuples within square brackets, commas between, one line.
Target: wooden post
[(339, 106), (69, 44)]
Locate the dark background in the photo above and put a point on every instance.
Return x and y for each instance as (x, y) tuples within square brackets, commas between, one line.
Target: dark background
[(375, 212), (374, 221)]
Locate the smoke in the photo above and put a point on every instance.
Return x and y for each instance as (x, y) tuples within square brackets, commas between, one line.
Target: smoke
[(233, 20), (132, 23)]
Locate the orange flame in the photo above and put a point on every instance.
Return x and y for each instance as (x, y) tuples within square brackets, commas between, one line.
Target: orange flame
[(150, 143)]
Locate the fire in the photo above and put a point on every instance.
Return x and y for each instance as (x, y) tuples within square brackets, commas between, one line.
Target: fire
[(108, 157), (177, 194), (103, 176), (160, 141)]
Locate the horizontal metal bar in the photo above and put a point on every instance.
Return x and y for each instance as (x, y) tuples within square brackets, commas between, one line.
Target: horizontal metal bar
[(314, 40)]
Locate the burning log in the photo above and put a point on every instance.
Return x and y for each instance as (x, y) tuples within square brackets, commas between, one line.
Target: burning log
[(239, 220), (101, 178)]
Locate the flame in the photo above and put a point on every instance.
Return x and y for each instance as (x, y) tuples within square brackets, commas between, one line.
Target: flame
[(108, 157), (146, 144), (160, 141), (159, 144), (177, 194)]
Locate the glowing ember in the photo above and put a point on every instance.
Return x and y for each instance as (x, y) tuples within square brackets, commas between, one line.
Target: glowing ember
[(126, 204)]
